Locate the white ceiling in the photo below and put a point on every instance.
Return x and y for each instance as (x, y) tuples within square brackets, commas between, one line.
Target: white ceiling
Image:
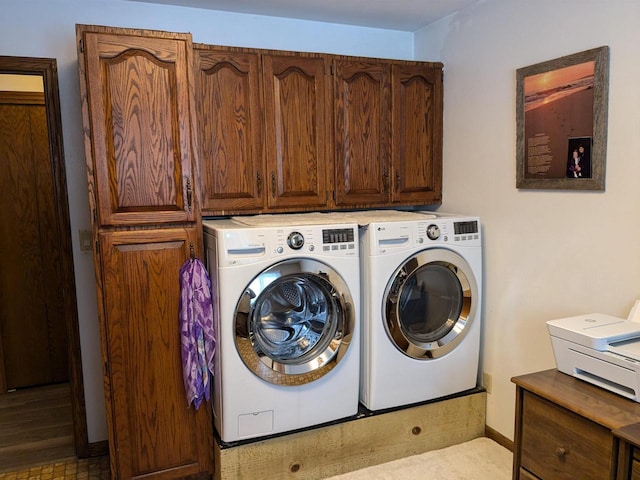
[(403, 15)]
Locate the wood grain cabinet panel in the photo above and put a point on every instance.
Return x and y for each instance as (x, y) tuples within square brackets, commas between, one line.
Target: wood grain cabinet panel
[(157, 434), (138, 115), (229, 129), (362, 122), (417, 133), (297, 134), (139, 120), (559, 444), (285, 131)]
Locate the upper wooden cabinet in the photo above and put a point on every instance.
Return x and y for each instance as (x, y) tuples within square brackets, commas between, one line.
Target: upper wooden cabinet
[(264, 130), (362, 122), (285, 131), (230, 129), (139, 119), (417, 133), (297, 133)]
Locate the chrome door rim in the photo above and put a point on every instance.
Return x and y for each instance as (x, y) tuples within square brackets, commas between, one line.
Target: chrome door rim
[(456, 329), (325, 354)]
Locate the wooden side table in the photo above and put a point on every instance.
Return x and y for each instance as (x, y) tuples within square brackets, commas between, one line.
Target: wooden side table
[(564, 428), (629, 452)]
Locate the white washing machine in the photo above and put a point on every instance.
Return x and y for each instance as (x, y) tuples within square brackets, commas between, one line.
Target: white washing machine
[(421, 301), (288, 336)]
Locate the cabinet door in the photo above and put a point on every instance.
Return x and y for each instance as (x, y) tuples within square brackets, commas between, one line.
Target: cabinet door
[(297, 139), (137, 108), (417, 133), (229, 126), (153, 433), (362, 112)]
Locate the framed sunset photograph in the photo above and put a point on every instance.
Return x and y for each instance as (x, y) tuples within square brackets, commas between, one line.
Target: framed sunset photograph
[(561, 121)]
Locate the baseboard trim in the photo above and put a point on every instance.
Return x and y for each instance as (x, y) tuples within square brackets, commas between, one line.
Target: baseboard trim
[(498, 437), (99, 449)]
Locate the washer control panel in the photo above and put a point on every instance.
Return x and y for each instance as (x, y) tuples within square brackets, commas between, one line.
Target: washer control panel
[(334, 240)]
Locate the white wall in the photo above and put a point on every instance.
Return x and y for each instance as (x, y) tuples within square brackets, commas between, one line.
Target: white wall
[(46, 28), (548, 254)]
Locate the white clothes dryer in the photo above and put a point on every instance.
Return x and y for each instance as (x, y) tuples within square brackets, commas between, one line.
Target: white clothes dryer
[(421, 300), (288, 344)]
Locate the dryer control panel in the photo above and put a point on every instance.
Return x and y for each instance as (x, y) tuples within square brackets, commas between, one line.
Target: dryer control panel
[(450, 231)]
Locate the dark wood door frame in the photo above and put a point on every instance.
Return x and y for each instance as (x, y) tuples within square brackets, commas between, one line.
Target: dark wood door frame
[(48, 70)]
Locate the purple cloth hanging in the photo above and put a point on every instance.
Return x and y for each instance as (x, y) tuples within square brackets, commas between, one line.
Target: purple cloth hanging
[(197, 334)]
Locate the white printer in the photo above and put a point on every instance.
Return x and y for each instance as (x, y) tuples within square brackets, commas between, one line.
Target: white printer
[(601, 349)]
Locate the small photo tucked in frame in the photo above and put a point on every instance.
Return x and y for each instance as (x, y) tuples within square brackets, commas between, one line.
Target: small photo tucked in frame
[(579, 158)]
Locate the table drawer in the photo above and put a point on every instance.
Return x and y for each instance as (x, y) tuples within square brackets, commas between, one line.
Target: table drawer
[(558, 444), (635, 470), (525, 475)]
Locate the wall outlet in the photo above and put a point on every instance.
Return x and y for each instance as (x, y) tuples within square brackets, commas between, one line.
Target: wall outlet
[(487, 382), (85, 241)]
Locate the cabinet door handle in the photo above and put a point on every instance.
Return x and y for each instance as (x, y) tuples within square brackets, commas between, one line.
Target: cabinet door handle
[(385, 181), (397, 181), (273, 184), (189, 193), (259, 183), (560, 452)]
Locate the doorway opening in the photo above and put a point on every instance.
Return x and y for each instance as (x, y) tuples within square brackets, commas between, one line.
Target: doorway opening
[(39, 335)]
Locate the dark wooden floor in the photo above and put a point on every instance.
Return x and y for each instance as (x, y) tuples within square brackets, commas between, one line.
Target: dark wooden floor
[(36, 427)]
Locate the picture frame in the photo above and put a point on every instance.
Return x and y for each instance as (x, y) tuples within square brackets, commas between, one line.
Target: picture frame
[(561, 122)]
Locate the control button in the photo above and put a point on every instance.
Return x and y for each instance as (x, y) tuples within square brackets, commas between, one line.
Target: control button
[(326, 248), (343, 247), (279, 249), (334, 247), (352, 246), (420, 240), (311, 248)]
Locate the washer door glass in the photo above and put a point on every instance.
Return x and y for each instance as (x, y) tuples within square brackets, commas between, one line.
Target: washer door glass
[(294, 322), (430, 303)]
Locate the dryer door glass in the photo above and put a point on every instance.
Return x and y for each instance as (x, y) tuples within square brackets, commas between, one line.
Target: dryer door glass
[(293, 321), (430, 304)]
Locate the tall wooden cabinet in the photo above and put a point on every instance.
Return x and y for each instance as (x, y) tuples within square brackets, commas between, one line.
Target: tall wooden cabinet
[(286, 131), (138, 111)]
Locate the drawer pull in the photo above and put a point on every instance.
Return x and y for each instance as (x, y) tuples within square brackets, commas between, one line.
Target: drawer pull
[(560, 452)]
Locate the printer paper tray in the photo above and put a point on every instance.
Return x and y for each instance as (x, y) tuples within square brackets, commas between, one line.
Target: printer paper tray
[(600, 370)]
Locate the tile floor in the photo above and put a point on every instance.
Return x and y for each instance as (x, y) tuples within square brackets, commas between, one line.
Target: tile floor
[(84, 469)]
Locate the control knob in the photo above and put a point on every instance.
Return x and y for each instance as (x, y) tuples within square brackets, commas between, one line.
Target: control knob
[(295, 240), (433, 232)]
